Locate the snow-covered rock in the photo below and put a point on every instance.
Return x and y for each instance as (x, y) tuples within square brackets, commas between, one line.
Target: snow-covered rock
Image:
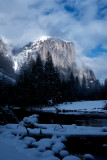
[(64, 153), (44, 144), (71, 158), (88, 157), (31, 120), (43, 38), (57, 147)]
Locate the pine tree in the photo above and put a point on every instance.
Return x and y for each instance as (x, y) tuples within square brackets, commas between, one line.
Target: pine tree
[(97, 89), (105, 89), (38, 80), (77, 89), (72, 87), (65, 92), (57, 87), (51, 79), (23, 85), (84, 88)]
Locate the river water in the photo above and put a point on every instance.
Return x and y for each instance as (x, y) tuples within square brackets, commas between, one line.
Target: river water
[(96, 146)]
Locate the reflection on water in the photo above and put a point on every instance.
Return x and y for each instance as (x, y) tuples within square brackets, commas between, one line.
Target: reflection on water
[(92, 122), (90, 119)]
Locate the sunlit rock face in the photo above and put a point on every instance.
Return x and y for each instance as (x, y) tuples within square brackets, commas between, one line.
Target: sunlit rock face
[(63, 55)]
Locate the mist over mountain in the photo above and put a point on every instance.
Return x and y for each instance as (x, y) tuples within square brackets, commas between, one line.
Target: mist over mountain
[(6, 62)]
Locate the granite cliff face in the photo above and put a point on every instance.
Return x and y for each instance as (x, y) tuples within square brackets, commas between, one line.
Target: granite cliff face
[(63, 55)]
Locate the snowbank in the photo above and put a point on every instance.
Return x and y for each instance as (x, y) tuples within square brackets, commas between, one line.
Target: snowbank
[(81, 106), (43, 141)]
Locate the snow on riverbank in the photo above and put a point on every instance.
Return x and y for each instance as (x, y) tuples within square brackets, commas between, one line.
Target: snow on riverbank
[(30, 140), (81, 106)]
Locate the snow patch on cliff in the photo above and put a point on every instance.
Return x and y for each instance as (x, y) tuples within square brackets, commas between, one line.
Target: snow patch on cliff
[(43, 38)]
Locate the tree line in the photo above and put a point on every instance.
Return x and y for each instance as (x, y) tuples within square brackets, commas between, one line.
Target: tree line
[(39, 83)]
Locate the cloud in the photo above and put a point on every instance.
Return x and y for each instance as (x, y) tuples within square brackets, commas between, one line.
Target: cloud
[(83, 22), (98, 65), (72, 19)]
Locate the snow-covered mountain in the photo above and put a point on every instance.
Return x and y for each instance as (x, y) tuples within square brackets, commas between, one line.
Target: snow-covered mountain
[(63, 55)]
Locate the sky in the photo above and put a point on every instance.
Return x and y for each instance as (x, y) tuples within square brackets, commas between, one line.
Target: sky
[(82, 21)]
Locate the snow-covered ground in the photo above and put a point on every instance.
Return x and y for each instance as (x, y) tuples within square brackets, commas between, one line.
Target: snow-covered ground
[(29, 140), (81, 106)]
